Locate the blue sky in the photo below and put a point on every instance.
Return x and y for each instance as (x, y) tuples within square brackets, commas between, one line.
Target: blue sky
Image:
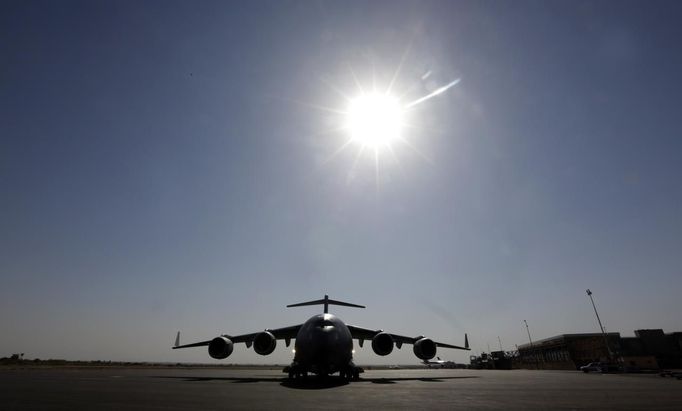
[(170, 166)]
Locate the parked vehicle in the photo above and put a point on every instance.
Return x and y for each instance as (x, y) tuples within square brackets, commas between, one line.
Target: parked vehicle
[(602, 367), (593, 366), (672, 374)]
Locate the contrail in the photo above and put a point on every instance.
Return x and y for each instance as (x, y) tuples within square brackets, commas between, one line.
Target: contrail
[(434, 94)]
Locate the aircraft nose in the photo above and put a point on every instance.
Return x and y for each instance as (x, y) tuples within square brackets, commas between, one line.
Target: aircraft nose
[(325, 336), (325, 325), (325, 332)]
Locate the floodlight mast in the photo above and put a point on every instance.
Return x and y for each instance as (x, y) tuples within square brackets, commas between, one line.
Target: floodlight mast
[(537, 360), (606, 340)]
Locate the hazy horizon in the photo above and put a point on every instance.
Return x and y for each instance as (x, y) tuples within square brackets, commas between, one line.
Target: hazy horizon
[(172, 166)]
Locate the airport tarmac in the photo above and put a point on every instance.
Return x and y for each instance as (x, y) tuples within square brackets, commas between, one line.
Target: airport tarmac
[(223, 389)]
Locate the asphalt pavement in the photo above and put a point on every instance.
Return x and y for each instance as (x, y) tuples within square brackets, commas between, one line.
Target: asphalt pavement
[(223, 389)]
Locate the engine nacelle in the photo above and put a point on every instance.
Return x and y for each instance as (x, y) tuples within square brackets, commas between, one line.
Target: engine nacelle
[(424, 348), (264, 343), (382, 344), (220, 348)]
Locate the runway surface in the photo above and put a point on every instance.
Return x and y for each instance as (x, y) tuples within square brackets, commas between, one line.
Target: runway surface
[(223, 389)]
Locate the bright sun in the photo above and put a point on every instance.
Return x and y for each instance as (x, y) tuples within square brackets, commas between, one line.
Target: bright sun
[(375, 120)]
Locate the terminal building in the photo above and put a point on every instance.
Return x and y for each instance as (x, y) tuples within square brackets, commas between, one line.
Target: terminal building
[(648, 349)]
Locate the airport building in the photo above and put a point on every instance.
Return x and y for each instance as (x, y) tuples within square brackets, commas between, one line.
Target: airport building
[(665, 348), (648, 349)]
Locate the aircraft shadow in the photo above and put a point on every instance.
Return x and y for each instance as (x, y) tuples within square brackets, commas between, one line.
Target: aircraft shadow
[(312, 382)]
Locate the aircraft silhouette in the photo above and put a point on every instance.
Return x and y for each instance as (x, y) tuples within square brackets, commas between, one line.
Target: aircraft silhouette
[(324, 343)]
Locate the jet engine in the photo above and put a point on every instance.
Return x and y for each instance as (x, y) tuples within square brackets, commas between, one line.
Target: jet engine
[(220, 348), (424, 348), (382, 343), (264, 343)]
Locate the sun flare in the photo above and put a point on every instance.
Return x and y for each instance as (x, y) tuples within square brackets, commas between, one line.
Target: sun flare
[(379, 116), (374, 120)]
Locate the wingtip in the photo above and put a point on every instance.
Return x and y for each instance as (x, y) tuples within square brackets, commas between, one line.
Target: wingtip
[(466, 341), (177, 340)]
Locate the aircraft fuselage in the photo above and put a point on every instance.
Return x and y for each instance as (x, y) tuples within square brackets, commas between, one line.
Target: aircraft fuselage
[(324, 345)]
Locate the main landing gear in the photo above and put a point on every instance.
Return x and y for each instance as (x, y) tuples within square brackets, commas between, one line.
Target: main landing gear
[(297, 375), (349, 373), (295, 372)]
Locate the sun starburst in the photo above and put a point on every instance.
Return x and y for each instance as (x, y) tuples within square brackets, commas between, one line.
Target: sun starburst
[(374, 120)]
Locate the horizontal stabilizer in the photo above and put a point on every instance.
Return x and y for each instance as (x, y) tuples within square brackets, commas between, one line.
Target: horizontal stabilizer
[(326, 302)]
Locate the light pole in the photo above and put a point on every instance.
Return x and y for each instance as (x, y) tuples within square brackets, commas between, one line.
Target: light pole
[(606, 341), (531, 344), (528, 331)]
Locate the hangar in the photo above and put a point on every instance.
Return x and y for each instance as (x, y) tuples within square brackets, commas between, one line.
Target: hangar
[(650, 348)]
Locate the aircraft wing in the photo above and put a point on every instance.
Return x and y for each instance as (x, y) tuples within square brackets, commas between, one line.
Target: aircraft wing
[(285, 333), (367, 334)]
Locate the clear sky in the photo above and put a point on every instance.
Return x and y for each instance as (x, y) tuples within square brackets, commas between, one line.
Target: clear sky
[(171, 166)]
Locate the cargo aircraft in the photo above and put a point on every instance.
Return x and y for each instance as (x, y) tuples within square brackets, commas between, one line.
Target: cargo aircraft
[(437, 361), (324, 343)]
